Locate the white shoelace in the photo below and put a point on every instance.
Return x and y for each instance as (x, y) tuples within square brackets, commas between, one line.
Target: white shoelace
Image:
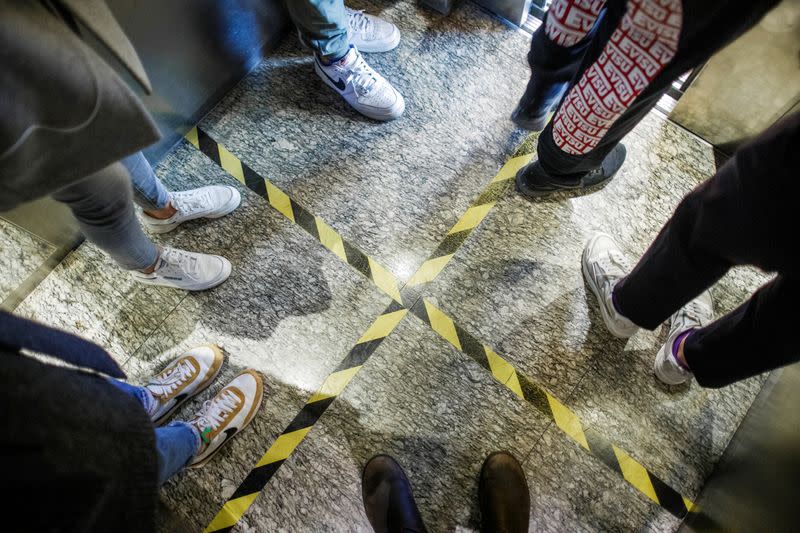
[(213, 412), (173, 259), (613, 262), (358, 20), (164, 385), (690, 313), (188, 201), (364, 79)]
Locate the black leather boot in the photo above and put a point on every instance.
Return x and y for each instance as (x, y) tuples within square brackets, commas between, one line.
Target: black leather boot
[(534, 182), (503, 493), (388, 499)]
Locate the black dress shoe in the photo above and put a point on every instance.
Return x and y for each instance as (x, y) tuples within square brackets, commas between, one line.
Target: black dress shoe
[(388, 499), (503, 494), (534, 182)]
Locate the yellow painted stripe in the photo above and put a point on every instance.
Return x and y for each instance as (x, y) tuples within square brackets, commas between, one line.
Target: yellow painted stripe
[(330, 239), (191, 136), (512, 166), (567, 421), (442, 325), (385, 280), (429, 270), (231, 512), (382, 326), (501, 369), (689, 504), (230, 163), (283, 446), (635, 474), (334, 384), (472, 217), (279, 200), (513, 384)]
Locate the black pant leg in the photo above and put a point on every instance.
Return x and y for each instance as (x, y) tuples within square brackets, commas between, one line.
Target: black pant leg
[(616, 85), (758, 336), (744, 215)]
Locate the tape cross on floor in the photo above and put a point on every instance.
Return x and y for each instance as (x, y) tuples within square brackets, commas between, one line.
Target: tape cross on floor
[(410, 297)]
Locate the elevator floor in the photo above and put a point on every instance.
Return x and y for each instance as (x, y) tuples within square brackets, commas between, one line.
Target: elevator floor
[(294, 308)]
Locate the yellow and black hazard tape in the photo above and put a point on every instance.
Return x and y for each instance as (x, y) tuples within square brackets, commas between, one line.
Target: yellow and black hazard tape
[(252, 485), (313, 225), (410, 297), (525, 388)]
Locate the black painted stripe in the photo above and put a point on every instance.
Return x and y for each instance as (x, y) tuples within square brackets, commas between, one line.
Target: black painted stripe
[(669, 498), (357, 259), (208, 146), (304, 219), (450, 244), (254, 182), (602, 449), (472, 347), (493, 192), (309, 415), (359, 354), (256, 480), (535, 395)]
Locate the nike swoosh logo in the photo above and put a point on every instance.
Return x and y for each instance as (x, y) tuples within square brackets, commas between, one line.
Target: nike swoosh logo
[(230, 432), (338, 83)]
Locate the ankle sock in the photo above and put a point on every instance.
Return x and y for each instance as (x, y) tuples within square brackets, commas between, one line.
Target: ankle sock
[(676, 344)]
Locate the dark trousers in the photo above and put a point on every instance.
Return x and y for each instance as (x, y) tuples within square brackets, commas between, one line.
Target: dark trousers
[(618, 58), (744, 215)]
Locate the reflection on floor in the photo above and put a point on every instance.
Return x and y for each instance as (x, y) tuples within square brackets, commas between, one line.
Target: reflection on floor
[(293, 310)]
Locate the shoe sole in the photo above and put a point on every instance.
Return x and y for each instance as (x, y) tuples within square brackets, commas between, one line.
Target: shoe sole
[(388, 47), (217, 351), (227, 209), (596, 291), (249, 418), (395, 112)]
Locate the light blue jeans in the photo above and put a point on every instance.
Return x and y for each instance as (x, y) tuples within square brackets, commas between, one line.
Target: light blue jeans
[(103, 205), (148, 191), (176, 443), (322, 25)]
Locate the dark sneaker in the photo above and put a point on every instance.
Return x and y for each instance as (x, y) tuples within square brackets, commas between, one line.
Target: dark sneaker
[(503, 495), (534, 182), (388, 500)]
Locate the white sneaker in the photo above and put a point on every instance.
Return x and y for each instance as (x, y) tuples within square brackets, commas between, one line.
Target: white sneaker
[(229, 412), (603, 266), (363, 88), (370, 33), (214, 201), (184, 377), (696, 314), (189, 271)]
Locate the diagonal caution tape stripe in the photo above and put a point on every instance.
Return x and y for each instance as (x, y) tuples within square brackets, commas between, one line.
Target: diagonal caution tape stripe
[(255, 481), (525, 388), (411, 297), (284, 204)]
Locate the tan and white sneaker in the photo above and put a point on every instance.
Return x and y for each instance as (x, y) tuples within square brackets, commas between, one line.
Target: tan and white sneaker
[(183, 378), (225, 415)]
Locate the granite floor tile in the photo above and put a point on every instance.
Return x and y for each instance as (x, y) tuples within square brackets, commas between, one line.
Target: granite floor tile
[(21, 253), (517, 283), (392, 189), (572, 491), (420, 401)]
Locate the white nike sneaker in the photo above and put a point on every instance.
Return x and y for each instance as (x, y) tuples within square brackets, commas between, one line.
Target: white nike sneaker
[(229, 412), (189, 271), (214, 201), (603, 266), (370, 33), (184, 377), (363, 88), (696, 314)]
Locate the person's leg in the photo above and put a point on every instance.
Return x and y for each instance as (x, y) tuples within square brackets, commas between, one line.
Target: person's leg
[(650, 43), (176, 445), (148, 191), (103, 205), (742, 215), (557, 49), (756, 337), (322, 25)]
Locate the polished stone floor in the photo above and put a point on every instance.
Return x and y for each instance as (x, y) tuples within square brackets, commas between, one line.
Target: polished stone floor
[(292, 309)]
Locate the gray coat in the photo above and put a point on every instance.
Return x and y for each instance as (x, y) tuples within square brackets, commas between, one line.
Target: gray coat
[(64, 112)]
